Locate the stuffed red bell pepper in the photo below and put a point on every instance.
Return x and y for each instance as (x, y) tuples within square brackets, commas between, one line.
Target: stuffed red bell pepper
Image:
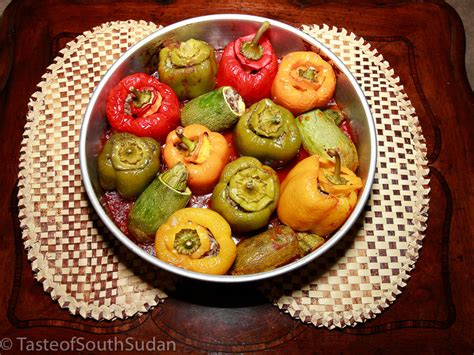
[(142, 105), (249, 65)]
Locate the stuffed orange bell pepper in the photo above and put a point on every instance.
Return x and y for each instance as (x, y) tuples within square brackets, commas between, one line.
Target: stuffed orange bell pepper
[(196, 239), (304, 81), (318, 195), (204, 153)]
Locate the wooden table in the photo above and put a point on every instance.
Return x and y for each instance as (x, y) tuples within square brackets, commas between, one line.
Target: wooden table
[(424, 43)]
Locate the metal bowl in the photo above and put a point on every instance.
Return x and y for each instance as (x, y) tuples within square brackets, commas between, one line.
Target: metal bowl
[(218, 30)]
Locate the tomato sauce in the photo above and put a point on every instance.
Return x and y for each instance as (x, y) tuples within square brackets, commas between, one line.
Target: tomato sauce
[(118, 208)]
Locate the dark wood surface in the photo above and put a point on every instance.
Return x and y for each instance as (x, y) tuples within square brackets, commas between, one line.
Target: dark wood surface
[(424, 43)]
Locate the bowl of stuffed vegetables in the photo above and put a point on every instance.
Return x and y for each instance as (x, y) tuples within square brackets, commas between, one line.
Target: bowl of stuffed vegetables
[(228, 148)]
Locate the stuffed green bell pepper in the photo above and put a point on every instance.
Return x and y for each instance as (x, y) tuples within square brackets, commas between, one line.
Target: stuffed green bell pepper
[(188, 67), (128, 164), (267, 132), (246, 194)]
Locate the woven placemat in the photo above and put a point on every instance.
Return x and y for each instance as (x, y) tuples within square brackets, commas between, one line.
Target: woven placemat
[(365, 271), (90, 273), (73, 255)]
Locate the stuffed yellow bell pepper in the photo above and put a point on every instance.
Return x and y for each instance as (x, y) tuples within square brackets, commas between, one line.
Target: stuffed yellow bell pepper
[(196, 239), (318, 195)]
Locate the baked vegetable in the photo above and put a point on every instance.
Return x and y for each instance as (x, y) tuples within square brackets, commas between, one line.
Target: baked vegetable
[(249, 65), (267, 132), (273, 248), (140, 104), (188, 67), (217, 110), (128, 163), (319, 133), (247, 194), (307, 242), (204, 153), (304, 81), (318, 195), (196, 239), (165, 195)]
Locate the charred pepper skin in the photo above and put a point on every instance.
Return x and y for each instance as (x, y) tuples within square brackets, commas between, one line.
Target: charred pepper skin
[(267, 132), (153, 119), (189, 68), (128, 164), (247, 194)]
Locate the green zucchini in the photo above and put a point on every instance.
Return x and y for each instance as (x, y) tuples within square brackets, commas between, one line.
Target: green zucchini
[(165, 195), (319, 133), (273, 248), (218, 110), (266, 251), (307, 242)]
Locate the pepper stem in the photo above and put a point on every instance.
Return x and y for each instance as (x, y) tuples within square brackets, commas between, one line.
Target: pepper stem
[(187, 241), (336, 179), (249, 185), (308, 74), (265, 26), (189, 144), (252, 50), (141, 98)]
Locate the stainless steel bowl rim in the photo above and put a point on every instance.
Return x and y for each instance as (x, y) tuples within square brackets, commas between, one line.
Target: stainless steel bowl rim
[(363, 197)]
